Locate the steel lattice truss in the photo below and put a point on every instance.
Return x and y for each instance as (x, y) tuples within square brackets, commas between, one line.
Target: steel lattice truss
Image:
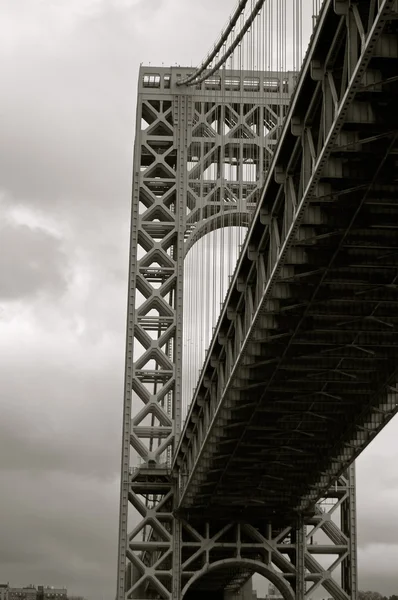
[(221, 555), (302, 372), (193, 151)]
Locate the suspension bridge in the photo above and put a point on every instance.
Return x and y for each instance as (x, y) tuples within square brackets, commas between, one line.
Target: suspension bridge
[(262, 340)]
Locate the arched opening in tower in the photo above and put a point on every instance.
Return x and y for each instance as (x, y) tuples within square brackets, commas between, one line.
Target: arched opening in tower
[(209, 264), (238, 580)]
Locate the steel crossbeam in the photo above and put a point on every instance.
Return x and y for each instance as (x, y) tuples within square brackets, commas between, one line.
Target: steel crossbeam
[(226, 553)]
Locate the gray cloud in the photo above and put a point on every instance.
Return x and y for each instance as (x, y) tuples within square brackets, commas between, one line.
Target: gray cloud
[(67, 120), (377, 502), (31, 261), (61, 441), (59, 458), (58, 529)]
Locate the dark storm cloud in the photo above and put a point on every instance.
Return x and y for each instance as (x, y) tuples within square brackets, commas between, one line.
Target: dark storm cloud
[(31, 261), (58, 530), (57, 444), (67, 113), (59, 461)]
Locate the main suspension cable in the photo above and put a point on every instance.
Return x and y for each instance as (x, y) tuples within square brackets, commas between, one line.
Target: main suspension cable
[(223, 38), (199, 76)]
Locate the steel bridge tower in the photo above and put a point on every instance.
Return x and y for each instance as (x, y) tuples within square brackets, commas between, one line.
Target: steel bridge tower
[(230, 119)]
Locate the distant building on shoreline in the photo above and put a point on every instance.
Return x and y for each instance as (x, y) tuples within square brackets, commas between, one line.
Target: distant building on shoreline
[(3, 591), (30, 592)]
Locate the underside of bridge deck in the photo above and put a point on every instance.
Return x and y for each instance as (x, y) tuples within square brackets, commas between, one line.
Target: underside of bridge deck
[(302, 372)]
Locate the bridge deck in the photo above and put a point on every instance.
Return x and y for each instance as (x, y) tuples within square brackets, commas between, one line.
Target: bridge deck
[(302, 371)]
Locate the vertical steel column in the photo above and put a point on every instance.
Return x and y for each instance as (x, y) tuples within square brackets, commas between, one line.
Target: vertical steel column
[(349, 567), (182, 119), (154, 301), (300, 535), (126, 427)]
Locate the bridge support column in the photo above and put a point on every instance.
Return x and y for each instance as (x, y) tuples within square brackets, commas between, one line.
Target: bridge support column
[(300, 542), (179, 136), (298, 560), (176, 570), (349, 567)]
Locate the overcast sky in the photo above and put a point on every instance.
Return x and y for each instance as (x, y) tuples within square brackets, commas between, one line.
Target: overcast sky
[(67, 89)]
